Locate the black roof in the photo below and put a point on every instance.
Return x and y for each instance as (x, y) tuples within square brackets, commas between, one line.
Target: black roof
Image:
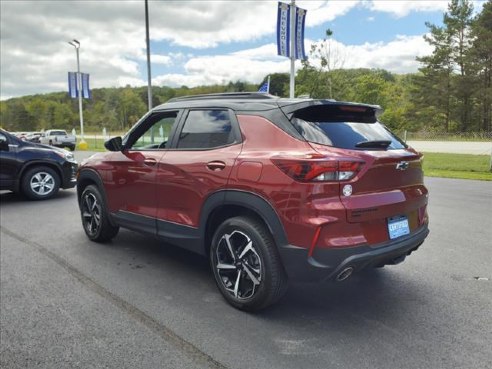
[(250, 101)]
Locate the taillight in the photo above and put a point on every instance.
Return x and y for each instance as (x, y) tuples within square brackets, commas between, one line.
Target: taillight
[(318, 169)]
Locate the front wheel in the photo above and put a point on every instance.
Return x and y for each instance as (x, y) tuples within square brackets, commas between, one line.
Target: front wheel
[(95, 218), (246, 264), (40, 183)]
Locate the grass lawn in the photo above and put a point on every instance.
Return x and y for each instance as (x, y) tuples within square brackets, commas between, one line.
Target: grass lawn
[(94, 144), (457, 166)]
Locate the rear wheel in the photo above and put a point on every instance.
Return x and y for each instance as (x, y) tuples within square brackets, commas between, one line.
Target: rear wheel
[(95, 218), (246, 264), (40, 183)]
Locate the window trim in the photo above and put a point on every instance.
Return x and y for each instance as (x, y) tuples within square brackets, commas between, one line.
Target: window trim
[(130, 135), (238, 138)]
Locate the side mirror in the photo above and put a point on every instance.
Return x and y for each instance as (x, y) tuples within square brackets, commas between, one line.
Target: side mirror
[(114, 144)]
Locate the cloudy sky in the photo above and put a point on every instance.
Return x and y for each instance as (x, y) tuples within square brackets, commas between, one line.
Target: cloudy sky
[(195, 42)]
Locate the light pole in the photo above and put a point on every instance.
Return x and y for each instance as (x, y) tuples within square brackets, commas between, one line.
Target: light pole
[(76, 45), (292, 48), (147, 41)]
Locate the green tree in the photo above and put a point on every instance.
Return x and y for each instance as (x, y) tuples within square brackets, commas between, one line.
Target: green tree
[(481, 55), (279, 84), (4, 115), (316, 74), (446, 84), (129, 108), (458, 20), (19, 117), (434, 84)]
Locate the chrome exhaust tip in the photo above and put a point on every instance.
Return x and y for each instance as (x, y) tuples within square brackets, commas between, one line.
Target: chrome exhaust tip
[(344, 274)]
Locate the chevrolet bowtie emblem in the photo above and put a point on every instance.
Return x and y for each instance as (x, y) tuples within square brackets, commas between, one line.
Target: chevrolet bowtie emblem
[(402, 165)]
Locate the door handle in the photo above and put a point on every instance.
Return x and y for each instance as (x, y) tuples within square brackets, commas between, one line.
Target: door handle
[(216, 165), (150, 162)]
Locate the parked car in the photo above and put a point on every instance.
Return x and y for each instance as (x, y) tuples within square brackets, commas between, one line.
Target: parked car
[(37, 171), (21, 135), (58, 138), (269, 189), (34, 137)]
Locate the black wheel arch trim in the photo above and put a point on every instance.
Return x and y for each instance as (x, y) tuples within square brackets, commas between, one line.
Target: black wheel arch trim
[(93, 176), (33, 163), (250, 201)]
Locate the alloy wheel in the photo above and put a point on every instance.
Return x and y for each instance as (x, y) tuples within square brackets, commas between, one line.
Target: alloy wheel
[(42, 183), (238, 265), (91, 213)]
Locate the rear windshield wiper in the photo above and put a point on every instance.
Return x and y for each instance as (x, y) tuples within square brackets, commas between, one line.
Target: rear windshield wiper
[(383, 144)]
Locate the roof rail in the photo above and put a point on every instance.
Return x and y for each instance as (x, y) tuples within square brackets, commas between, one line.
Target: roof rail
[(226, 96)]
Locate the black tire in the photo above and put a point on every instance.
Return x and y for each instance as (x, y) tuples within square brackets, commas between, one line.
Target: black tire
[(256, 279), (72, 148), (50, 143), (94, 215), (40, 183)]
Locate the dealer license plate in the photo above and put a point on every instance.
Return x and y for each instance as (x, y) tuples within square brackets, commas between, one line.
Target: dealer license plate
[(398, 226)]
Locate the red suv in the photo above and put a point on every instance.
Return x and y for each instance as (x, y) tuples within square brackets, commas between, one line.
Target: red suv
[(270, 189)]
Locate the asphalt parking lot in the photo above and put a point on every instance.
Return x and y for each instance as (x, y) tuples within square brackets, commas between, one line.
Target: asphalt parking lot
[(136, 303)]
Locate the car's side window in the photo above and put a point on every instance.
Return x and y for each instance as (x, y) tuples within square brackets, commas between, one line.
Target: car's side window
[(156, 132), (206, 129), (4, 142)]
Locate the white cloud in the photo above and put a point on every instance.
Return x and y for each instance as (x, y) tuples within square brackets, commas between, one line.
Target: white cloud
[(205, 24), (396, 56), (221, 69), (161, 59), (401, 8), (124, 81), (35, 56), (252, 65), (320, 12)]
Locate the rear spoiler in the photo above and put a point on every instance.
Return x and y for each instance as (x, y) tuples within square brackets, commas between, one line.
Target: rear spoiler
[(330, 110)]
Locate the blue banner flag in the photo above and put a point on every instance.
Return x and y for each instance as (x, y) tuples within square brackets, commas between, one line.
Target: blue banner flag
[(86, 92), (300, 21), (283, 29), (72, 85), (264, 87)]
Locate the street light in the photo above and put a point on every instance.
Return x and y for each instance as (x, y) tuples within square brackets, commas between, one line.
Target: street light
[(76, 45)]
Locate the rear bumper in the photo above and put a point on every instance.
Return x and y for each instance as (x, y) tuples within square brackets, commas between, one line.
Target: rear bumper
[(63, 144), (326, 264)]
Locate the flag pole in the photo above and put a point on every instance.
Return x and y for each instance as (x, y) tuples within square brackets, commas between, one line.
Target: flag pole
[(292, 46), (147, 41)]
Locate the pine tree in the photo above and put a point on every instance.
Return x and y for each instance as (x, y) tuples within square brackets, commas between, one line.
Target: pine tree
[(481, 54), (447, 74)]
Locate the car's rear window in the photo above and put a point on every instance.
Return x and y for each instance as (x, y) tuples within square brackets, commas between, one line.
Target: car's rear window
[(355, 130)]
